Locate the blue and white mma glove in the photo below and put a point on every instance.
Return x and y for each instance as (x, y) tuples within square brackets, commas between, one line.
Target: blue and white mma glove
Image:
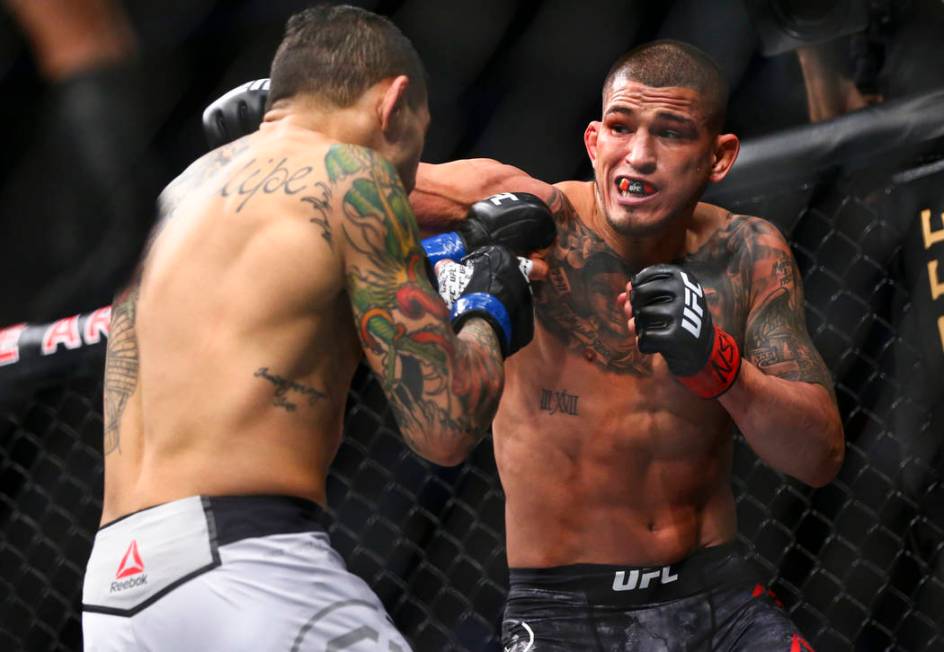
[(490, 283), (519, 221), (452, 277)]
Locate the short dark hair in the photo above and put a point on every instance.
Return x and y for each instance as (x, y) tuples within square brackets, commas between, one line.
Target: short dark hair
[(673, 63), (338, 52)]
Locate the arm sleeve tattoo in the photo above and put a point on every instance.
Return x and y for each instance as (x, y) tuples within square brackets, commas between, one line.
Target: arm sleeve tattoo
[(776, 339), (443, 389)]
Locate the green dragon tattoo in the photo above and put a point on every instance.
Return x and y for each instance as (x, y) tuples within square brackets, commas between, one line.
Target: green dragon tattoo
[(399, 317)]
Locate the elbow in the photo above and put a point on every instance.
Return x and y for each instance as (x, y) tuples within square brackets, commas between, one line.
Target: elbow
[(830, 461), (451, 455), (446, 448), (448, 458)]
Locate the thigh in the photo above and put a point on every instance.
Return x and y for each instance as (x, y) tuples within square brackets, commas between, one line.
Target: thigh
[(284, 592), (538, 620), (722, 621), (755, 620), (105, 633)]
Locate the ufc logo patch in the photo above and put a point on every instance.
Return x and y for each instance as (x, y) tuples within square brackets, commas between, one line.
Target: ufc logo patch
[(692, 312), (637, 580)]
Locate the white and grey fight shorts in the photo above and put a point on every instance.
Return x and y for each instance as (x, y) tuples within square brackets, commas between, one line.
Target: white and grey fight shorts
[(228, 573)]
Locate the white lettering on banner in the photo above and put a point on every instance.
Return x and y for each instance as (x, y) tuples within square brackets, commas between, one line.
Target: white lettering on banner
[(10, 344), (664, 576), (97, 325), (497, 199), (65, 331)]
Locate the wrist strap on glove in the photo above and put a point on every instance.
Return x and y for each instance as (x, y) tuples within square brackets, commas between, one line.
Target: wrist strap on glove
[(721, 370), (488, 307), (445, 245)]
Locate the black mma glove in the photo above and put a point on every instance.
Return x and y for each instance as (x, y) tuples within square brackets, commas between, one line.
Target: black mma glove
[(491, 285), (672, 318), (235, 114), (519, 221)]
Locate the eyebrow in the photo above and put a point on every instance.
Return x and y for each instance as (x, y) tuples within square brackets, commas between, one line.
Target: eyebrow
[(619, 109), (662, 115), (675, 117)]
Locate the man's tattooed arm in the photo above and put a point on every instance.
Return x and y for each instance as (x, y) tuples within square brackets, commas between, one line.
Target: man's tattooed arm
[(783, 400), (443, 389), (445, 191), (776, 337)]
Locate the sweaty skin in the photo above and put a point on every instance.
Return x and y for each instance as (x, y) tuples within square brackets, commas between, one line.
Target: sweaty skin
[(603, 456), (279, 261)]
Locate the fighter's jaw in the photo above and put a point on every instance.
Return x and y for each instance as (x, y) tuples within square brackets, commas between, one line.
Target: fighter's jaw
[(633, 217)]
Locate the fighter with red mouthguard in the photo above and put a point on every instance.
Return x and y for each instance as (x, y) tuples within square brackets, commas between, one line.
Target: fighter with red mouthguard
[(628, 186)]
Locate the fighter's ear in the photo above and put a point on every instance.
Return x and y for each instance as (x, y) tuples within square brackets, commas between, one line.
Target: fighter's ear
[(723, 155), (590, 135), (393, 100)]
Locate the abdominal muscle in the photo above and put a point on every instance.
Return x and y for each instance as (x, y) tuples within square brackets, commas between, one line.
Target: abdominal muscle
[(639, 476)]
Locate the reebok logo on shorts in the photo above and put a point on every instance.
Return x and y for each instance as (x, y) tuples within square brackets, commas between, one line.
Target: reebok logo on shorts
[(131, 564)]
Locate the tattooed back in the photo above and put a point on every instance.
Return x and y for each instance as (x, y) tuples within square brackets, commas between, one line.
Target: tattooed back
[(233, 347)]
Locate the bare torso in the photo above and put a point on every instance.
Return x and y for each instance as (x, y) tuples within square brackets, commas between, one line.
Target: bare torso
[(605, 458), (231, 353)]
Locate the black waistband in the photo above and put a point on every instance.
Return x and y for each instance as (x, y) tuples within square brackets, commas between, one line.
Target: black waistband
[(259, 515), (242, 517), (704, 570)]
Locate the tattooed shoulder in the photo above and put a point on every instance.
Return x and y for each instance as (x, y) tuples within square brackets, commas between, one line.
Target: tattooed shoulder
[(197, 173), (378, 219), (777, 339)]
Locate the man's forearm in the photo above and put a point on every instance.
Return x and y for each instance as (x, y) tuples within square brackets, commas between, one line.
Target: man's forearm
[(482, 359), (436, 202), (473, 386), (444, 192), (793, 426)]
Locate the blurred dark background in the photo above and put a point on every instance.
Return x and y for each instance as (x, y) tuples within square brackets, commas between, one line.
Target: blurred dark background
[(840, 105)]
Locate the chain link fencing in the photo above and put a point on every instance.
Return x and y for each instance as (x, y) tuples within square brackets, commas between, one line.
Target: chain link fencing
[(857, 563)]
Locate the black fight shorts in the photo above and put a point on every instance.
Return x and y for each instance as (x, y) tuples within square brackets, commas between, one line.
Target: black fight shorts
[(709, 601)]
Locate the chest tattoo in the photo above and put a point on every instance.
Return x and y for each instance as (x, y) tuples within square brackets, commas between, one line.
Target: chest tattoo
[(577, 302)]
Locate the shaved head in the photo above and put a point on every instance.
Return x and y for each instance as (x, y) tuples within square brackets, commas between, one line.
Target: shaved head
[(672, 63)]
